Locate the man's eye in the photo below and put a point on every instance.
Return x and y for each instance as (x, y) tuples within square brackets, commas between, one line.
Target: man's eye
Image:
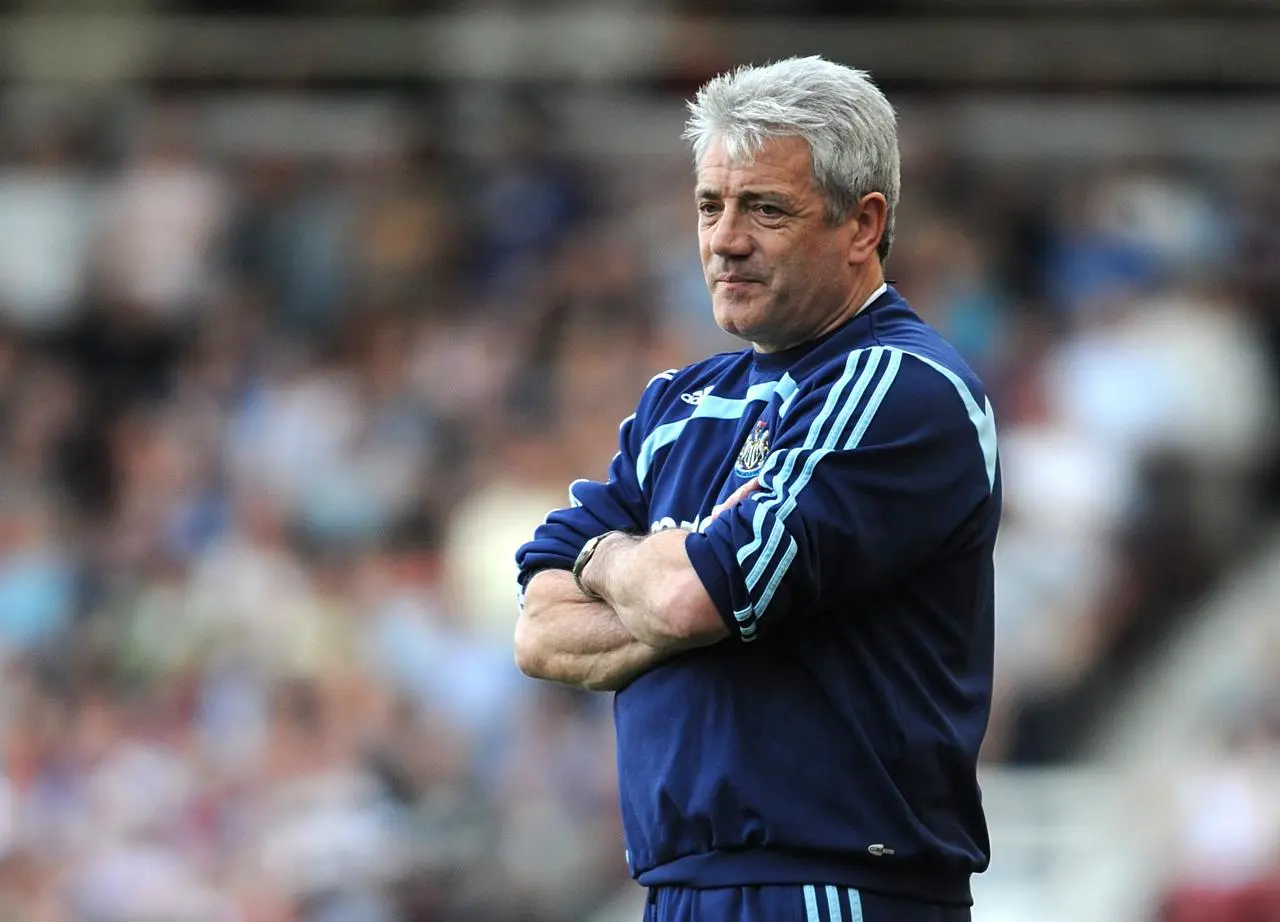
[(769, 211), (708, 208)]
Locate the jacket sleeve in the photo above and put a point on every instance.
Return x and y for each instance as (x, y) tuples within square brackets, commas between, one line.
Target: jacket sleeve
[(618, 503), (871, 470)]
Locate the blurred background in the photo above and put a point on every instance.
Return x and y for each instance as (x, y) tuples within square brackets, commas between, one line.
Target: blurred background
[(309, 311)]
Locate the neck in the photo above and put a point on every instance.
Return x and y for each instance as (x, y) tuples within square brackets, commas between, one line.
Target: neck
[(849, 308)]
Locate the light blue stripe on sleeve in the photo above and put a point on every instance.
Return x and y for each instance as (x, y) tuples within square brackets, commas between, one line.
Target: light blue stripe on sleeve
[(779, 528), (855, 906), (778, 485), (833, 905), (831, 443), (877, 397), (766, 597), (811, 905), (983, 418)]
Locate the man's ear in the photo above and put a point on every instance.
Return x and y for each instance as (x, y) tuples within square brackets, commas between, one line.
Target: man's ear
[(869, 220)]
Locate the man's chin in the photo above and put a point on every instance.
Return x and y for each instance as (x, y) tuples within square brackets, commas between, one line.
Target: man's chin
[(741, 321)]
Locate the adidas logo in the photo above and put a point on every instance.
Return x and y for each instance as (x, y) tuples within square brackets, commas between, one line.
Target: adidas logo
[(695, 397)]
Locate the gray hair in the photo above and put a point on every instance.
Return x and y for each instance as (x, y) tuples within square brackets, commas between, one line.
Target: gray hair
[(849, 124)]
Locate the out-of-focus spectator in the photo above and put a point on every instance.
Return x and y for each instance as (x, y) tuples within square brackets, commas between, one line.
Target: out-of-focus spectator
[(161, 222), (48, 211), (1226, 829), (37, 576)]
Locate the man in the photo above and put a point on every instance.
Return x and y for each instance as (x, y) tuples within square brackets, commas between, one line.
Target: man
[(787, 577)]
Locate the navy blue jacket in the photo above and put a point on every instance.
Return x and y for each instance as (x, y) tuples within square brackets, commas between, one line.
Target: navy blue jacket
[(834, 736)]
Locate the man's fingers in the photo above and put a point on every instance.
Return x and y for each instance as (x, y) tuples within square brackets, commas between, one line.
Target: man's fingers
[(751, 486), (743, 492)]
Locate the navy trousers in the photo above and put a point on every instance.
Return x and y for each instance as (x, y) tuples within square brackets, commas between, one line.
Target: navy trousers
[(811, 903)]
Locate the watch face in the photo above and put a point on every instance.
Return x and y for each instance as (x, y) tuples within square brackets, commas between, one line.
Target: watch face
[(585, 554), (584, 557)]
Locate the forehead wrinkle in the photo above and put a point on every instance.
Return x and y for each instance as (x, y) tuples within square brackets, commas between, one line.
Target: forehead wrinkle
[(786, 180)]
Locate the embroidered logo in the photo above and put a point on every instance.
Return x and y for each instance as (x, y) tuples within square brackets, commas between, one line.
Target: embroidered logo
[(695, 397), (754, 450)]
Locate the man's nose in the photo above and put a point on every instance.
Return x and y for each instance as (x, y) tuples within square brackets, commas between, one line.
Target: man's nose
[(730, 238)]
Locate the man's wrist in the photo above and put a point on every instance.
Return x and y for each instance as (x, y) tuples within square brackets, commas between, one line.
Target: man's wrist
[(584, 558), (591, 574)]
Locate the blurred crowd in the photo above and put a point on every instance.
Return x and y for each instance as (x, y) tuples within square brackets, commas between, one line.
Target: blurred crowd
[(1226, 816), (272, 426)]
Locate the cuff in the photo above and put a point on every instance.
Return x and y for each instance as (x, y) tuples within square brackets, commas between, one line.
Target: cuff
[(715, 579)]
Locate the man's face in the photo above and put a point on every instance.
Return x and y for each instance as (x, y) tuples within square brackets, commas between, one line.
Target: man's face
[(778, 271)]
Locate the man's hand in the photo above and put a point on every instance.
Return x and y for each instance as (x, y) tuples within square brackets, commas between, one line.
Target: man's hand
[(562, 636), (657, 595), (737, 496)]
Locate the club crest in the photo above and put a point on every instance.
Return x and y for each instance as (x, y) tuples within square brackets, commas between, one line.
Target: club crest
[(754, 451)]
